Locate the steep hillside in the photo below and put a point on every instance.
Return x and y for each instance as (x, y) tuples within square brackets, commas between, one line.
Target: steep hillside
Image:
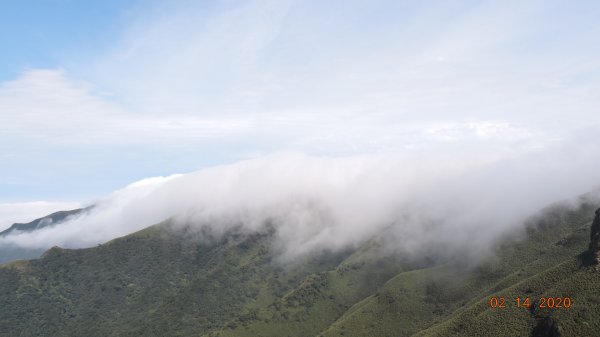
[(150, 283), (576, 279), (452, 301), (159, 282)]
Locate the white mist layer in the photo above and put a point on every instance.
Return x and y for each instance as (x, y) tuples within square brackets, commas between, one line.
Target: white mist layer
[(329, 203)]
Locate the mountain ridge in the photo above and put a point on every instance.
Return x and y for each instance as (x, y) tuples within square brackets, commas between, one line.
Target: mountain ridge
[(160, 281), (45, 221), (10, 252)]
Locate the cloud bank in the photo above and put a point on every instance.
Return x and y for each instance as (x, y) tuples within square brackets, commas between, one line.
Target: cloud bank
[(321, 203)]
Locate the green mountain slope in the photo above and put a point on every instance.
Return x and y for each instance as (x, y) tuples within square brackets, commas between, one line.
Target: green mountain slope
[(160, 282), (435, 297), (151, 283), (323, 297)]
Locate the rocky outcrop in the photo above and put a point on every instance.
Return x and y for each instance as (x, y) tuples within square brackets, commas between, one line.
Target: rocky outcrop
[(546, 327), (594, 248)]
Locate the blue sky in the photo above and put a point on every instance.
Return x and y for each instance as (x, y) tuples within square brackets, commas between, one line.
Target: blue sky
[(47, 33), (95, 95)]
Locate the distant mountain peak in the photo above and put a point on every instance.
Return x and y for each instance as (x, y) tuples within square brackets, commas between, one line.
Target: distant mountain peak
[(46, 221)]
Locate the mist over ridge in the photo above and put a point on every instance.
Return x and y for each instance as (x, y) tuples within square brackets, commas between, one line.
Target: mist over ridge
[(317, 203)]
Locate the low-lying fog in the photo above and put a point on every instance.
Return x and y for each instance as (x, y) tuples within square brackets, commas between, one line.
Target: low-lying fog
[(332, 202)]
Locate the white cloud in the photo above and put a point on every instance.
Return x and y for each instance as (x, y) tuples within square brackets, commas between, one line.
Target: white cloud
[(280, 75), (264, 56), (319, 202), (286, 68), (47, 106)]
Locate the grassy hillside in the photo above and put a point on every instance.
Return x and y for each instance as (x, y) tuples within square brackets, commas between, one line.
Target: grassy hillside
[(150, 283), (448, 299), (158, 282), (322, 297)]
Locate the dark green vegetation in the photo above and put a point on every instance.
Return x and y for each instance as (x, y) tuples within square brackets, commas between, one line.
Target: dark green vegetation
[(160, 282)]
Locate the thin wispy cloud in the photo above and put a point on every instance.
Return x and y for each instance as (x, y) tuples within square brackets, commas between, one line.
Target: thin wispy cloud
[(280, 72), (50, 107)]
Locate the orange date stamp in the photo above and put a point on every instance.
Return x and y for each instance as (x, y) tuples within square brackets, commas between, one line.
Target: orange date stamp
[(558, 302)]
